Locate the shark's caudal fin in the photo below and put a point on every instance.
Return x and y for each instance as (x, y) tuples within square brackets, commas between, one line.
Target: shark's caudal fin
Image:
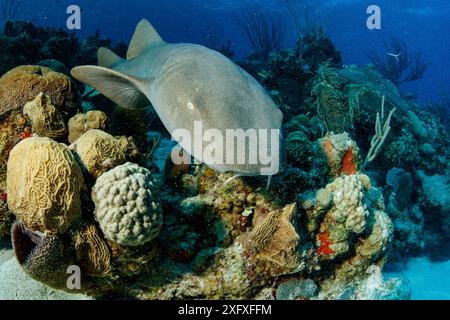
[(121, 88), (107, 58), (144, 37)]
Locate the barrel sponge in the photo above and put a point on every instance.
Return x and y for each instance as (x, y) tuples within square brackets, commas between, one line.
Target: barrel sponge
[(43, 184), (98, 151), (125, 205), (84, 122), (22, 84)]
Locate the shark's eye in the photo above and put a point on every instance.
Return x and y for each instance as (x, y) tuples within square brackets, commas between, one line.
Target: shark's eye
[(190, 106)]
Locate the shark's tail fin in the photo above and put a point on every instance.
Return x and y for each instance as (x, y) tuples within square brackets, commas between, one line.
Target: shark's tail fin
[(144, 36)]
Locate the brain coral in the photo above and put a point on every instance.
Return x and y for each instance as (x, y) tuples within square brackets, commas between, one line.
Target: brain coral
[(92, 251), (22, 84), (83, 122), (125, 205), (43, 184), (45, 118), (98, 151), (275, 240)]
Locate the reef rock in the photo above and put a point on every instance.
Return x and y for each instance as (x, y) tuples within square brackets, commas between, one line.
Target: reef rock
[(22, 84), (98, 151), (83, 122), (126, 206), (44, 183), (436, 190), (341, 152), (46, 121), (348, 215)]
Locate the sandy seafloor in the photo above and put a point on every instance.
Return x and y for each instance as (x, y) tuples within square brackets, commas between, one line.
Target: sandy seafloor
[(16, 285), (428, 280)]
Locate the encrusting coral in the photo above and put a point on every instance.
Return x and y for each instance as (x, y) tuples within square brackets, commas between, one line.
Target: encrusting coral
[(341, 153), (44, 183), (46, 121), (83, 122), (126, 205), (340, 207)]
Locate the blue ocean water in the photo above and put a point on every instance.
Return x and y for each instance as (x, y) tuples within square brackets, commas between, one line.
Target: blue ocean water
[(422, 25)]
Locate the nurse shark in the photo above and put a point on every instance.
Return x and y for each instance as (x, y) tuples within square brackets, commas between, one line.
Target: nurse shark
[(192, 89)]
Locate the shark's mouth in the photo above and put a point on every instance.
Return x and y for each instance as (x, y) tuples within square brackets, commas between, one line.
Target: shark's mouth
[(25, 242)]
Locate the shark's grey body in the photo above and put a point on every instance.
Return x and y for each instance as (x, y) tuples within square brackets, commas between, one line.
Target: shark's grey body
[(185, 83)]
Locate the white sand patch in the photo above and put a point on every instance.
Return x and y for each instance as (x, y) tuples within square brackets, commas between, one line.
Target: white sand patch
[(16, 285), (428, 280)]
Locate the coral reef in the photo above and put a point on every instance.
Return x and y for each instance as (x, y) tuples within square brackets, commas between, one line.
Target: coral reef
[(44, 183), (22, 84), (416, 140), (33, 100), (83, 122), (296, 289), (126, 206), (91, 250), (44, 257), (46, 121), (341, 153), (23, 43), (272, 245), (98, 151), (324, 228), (298, 148)]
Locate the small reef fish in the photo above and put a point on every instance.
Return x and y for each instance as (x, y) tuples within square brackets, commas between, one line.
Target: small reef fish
[(394, 55), (187, 84)]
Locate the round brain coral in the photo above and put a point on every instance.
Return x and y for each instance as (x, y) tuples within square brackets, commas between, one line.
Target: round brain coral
[(22, 84), (83, 122), (44, 183), (125, 205), (98, 151)]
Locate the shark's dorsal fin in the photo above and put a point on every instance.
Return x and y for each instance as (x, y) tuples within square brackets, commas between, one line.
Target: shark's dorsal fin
[(144, 36), (107, 58), (123, 89)]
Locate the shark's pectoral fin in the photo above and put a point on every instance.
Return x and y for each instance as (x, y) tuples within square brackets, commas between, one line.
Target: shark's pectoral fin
[(144, 37), (121, 88), (107, 58)]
